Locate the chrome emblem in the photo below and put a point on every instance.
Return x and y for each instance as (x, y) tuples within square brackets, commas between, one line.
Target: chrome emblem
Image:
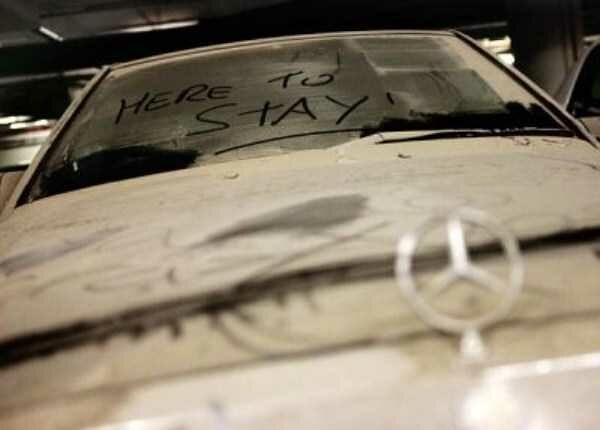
[(501, 291)]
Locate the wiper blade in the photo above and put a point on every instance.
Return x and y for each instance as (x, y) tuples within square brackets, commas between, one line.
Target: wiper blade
[(395, 137), (115, 165), (513, 119)]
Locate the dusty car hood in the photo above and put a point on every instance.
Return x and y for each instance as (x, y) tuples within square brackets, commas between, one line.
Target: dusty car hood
[(101, 250)]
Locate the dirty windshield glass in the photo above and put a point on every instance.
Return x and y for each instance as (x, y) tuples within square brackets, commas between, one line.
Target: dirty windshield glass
[(266, 99)]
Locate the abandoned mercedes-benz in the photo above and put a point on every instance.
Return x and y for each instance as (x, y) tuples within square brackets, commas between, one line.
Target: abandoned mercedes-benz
[(377, 230)]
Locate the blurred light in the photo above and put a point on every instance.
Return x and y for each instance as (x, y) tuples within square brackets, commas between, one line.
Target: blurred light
[(491, 407), (22, 125), (497, 45), (13, 118), (501, 47), (507, 58), (49, 33), (592, 38), (543, 367), (153, 27)]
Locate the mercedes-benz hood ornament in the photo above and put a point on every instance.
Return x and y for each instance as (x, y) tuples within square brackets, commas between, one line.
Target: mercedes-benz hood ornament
[(461, 270)]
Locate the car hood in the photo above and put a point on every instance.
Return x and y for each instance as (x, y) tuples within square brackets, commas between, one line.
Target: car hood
[(94, 252)]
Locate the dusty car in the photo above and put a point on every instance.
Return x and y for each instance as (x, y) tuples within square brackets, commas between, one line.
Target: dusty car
[(580, 92), (378, 230)]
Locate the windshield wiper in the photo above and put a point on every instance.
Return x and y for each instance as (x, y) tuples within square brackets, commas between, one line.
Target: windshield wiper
[(395, 137), (117, 164), (514, 119)]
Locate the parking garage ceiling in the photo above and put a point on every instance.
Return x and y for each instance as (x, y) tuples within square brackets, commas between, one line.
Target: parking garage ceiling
[(51, 35), (75, 19)]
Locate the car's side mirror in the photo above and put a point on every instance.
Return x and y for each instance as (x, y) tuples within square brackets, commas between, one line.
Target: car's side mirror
[(8, 183)]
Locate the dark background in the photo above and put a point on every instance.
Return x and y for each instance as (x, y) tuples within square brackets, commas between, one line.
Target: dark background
[(59, 44)]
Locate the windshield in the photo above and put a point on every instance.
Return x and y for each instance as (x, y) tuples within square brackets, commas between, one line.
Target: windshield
[(266, 99)]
